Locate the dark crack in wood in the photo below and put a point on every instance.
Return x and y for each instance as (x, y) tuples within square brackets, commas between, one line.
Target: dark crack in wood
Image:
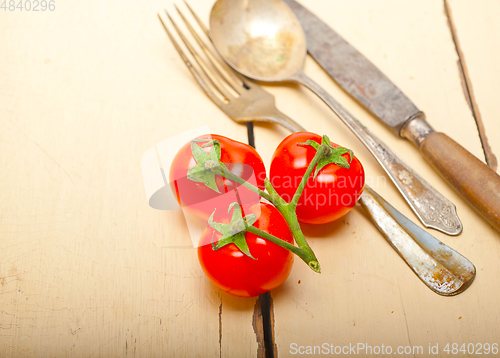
[(490, 157), (258, 328), (263, 326), (220, 327), (263, 314), (268, 322), (250, 133)]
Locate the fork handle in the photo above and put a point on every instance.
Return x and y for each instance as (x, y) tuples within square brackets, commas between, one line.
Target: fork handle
[(282, 119), (431, 207)]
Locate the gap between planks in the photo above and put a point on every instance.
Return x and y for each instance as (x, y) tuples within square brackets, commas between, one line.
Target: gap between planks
[(490, 157), (263, 316), (263, 326)]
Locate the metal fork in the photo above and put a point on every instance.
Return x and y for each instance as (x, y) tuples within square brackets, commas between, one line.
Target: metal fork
[(249, 102), (441, 268)]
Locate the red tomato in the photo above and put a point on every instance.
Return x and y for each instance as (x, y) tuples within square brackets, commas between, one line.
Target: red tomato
[(330, 196), (240, 275), (200, 200)]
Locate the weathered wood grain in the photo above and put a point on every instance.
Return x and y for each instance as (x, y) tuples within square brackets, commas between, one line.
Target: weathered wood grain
[(87, 269), (478, 31), (366, 294)]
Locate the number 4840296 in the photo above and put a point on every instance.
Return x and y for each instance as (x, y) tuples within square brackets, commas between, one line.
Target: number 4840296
[(471, 348), (28, 5)]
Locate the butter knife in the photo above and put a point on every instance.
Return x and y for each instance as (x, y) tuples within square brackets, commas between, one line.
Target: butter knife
[(478, 184)]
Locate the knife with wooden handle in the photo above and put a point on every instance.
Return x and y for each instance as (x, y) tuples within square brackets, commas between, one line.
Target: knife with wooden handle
[(477, 183)]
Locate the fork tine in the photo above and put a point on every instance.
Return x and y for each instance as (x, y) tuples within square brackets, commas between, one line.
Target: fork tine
[(191, 68), (224, 70), (198, 20), (201, 62)]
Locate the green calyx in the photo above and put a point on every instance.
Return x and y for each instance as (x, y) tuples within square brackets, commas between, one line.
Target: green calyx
[(206, 164), (332, 156), (234, 232)]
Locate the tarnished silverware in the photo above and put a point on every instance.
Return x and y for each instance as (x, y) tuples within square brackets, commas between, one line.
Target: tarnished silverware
[(470, 177), (249, 102), (441, 268), (263, 40)]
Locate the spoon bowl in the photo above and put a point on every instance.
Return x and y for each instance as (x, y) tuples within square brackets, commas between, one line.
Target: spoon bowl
[(261, 39)]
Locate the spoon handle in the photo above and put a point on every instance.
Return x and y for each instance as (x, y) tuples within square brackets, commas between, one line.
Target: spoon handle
[(440, 268), (431, 207)]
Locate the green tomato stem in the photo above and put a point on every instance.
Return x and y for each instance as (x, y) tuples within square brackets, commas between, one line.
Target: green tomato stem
[(303, 250), (290, 216), (319, 153), (306, 255), (277, 200), (229, 175)]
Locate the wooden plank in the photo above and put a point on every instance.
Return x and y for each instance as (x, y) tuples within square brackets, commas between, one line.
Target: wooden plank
[(477, 33), (366, 294), (87, 268)]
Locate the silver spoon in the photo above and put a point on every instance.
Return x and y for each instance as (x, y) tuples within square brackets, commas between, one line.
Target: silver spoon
[(263, 40), (441, 268)]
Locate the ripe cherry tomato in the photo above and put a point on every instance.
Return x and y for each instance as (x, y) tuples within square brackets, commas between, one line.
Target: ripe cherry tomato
[(331, 195), (200, 200), (240, 275)]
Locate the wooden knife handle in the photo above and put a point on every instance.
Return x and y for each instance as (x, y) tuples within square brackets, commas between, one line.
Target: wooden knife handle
[(474, 180)]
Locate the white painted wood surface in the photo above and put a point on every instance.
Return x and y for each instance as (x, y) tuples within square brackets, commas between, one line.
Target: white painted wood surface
[(366, 294), (87, 269), (479, 32)]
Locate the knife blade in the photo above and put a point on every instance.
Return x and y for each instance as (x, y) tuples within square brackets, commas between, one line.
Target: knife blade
[(477, 183)]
